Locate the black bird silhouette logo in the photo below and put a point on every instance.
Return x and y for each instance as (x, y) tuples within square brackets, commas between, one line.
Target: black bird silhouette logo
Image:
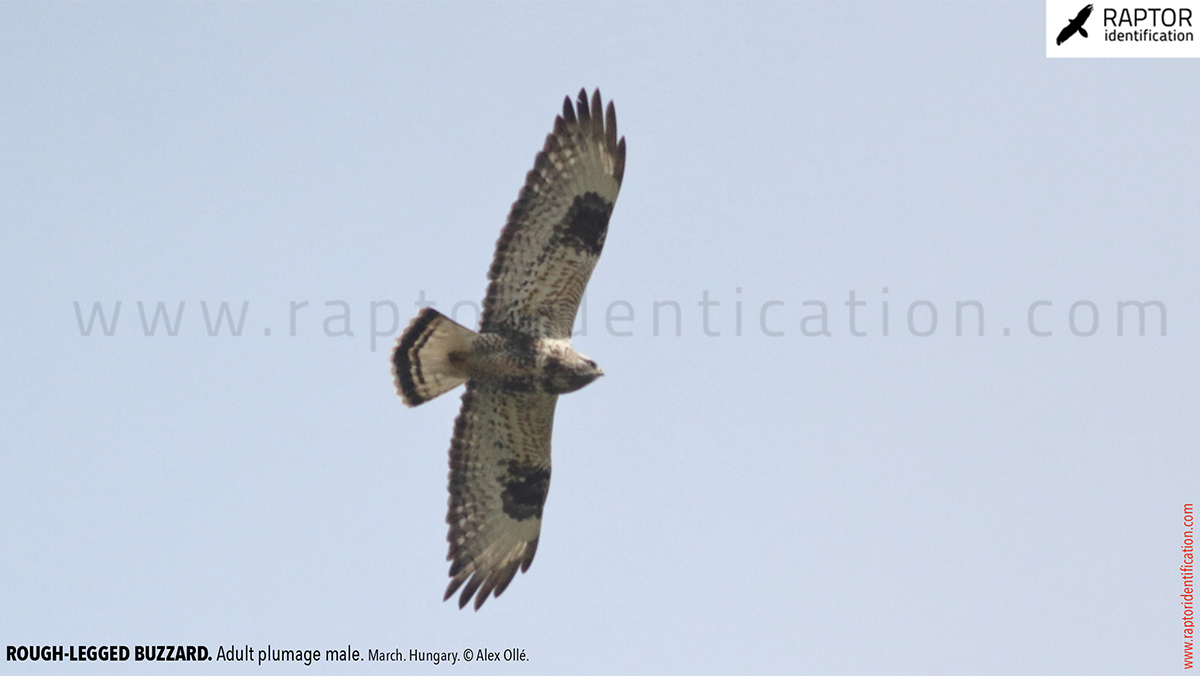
[(1076, 25)]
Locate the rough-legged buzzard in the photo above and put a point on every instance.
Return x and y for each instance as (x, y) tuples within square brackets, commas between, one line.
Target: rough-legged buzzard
[(521, 359)]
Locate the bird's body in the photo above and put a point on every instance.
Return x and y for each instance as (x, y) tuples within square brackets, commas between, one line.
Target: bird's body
[(521, 358)]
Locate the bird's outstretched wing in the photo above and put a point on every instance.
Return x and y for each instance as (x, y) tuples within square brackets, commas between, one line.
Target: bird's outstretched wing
[(499, 476), (1082, 18), (556, 229)]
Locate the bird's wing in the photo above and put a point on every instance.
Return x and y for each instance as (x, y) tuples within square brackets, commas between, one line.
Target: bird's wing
[(1065, 33), (1083, 15), (499, 475), (556, 229)]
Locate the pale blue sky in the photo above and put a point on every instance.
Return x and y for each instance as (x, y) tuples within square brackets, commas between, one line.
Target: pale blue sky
[(720, 504)]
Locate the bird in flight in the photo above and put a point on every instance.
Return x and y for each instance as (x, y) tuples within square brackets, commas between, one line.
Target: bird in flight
[(1076, 24), (521, 358)]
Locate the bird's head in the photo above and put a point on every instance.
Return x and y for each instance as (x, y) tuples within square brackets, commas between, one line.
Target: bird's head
[(568, 372)]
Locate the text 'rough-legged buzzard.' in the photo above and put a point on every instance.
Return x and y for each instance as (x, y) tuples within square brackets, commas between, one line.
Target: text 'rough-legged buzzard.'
[(521, 359)]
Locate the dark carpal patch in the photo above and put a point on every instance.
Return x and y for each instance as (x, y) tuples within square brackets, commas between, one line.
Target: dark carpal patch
[(586, 223), (525, 489)]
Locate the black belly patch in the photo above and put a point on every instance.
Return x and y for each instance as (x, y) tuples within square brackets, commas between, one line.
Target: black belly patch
[(525, 489), (586, 223)]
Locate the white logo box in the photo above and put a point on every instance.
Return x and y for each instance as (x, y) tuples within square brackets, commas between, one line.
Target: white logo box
[(1115, 30)]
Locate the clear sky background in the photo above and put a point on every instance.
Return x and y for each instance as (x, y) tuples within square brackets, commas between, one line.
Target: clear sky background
[(899, 503)]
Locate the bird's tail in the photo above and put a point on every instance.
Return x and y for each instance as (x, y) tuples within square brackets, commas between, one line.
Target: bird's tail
[(1083, 32), (431, 357)]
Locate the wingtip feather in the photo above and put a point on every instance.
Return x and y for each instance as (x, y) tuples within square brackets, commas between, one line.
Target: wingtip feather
[(597, 115), (506, 577), (610, 127), (619, 164), (530, 550), (568, 113), (469, 591)]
